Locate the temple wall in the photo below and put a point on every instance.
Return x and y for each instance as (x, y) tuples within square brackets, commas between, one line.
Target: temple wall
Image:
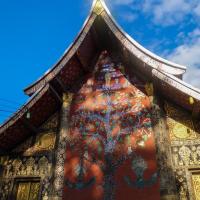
[(31, 162), (184, 137)]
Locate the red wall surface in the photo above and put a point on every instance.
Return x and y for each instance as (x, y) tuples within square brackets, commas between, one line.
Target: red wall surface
[(111, 153)]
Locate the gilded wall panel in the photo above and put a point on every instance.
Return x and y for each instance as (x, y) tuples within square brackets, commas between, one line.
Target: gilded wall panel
[(43, 141), (180, 124), (186, 155), (26, 167), (185, 145)]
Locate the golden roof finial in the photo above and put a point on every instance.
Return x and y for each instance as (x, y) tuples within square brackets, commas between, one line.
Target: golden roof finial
[(98, 7)]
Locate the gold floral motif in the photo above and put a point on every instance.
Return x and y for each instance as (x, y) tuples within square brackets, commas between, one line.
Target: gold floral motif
[(180, 125), (196, 185), (194, 154), (44, 166), (30, 163), (185, 153), (16, 165), (175, 156)]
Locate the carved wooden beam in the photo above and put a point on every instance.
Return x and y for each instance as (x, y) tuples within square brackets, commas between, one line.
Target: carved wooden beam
[(62, 85), (3, 153), (30, 126), (196, 110), (55, 93), (79, 60)]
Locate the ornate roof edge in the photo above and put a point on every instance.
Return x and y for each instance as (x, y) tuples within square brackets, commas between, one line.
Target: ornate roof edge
[(67, 55), (138, 50), (99, 8), (178, 84), (23, 110)]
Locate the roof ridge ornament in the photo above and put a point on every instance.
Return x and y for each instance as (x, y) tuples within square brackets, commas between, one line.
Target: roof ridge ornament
[(98, 6)]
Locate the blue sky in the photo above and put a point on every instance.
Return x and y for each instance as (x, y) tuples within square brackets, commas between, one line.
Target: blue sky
[(34, 34)]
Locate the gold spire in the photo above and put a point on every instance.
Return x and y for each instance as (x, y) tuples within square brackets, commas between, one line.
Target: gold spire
[(98, 6)]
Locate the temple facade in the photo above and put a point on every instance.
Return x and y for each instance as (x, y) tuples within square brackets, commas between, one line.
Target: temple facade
[(110, 121)]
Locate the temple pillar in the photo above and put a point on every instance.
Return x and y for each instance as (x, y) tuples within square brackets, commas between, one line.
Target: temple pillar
[(61, 148), (168, 190)]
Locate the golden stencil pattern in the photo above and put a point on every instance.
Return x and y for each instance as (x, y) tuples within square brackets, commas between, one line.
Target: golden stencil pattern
[(180, 125), (51, 123), (34, 191), (196, 185), (24, 146), (44, 142)]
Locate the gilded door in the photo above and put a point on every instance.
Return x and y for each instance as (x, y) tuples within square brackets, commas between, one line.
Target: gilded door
[(196, 185), (27, 190)]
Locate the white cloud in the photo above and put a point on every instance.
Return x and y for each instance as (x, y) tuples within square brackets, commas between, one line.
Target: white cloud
[(192, 76), (197, 10), (189, 54), (194, 34), (123, 2), (163, 12), (128, 16), (169, 12)]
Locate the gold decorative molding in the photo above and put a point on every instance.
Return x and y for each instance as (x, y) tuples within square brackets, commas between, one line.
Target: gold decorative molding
[(149, 89), (27, 167)]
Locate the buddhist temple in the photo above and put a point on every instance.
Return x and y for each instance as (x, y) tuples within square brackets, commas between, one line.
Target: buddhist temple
[(110, 121)]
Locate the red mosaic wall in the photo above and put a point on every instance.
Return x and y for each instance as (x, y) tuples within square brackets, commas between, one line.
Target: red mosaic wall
[(111, 153)]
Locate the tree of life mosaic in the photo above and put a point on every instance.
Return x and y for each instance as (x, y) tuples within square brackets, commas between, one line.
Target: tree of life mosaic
[(110, 152)]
